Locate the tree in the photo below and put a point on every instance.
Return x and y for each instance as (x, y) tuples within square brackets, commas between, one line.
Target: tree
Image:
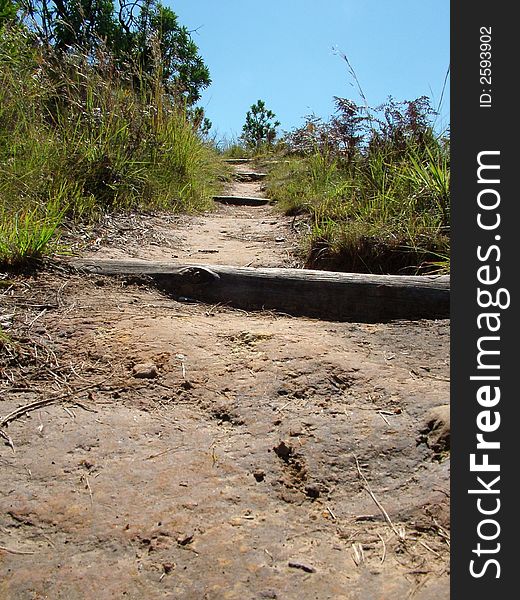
[(201, 123), (8, 11), (260, 127), (159, 41), (63, 24), (142, 35)]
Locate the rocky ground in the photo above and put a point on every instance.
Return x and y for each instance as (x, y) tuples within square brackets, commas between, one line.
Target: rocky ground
[(163, 449)]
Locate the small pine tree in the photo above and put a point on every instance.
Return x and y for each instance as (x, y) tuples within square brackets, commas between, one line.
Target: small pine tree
[(260, 126)]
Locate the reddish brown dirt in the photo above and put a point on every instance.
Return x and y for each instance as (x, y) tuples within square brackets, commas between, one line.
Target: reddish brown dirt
[(200, 452)]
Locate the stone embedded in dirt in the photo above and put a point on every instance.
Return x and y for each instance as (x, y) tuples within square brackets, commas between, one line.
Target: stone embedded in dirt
[(296, 432), (312, 490), (268, 594), (87, 464), (436, 429), (185, 539), (145, 371), (283, 451), (225, 414), (302, 566), (168, 567), (259, 475), (250, 337)]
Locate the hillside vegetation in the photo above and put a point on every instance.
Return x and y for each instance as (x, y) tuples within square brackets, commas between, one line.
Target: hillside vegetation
[(98, 114), (88, 127), (375, 186)]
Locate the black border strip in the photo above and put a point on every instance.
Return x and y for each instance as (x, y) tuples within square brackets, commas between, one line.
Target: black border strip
[(483, 123)]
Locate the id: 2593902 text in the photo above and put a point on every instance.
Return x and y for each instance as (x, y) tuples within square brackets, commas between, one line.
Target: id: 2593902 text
[(485, 68)]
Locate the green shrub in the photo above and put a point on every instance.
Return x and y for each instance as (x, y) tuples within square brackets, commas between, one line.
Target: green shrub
[(376, 189)]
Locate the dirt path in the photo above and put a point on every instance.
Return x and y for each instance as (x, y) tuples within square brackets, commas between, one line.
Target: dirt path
[(242, 236), (200, 452)]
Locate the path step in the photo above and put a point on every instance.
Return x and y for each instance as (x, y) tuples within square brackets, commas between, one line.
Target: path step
[(249, 176), (322, 294), (241, 200), (237, 161)]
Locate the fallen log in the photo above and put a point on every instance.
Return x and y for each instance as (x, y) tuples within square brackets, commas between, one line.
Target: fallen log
[(237, 161), (249, 176), (241, 200), (321, 294)]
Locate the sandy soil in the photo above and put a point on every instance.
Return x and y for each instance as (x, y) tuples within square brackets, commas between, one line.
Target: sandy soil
[(199, 452), (230, 235)]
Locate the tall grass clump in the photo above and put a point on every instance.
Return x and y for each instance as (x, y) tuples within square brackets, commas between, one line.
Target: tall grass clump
[(233, 147), (375, 186), (81, 137)]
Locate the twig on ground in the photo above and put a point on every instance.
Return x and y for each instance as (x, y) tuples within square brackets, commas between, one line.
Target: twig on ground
[(383, 417), (331, 513), (357, 554), (302, 566), (87, 485), (59, 302), (400, 534), (152, 456), (429, 548), (442, 532), (384, 548), (14, 551), (70, 413), (182, 358), (7, 439), (40, 314), (15, 414)]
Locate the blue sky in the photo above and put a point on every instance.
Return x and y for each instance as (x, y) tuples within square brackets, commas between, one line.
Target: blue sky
[(283, 52)]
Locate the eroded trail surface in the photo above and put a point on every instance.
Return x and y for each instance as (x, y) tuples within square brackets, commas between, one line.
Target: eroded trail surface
[(253, 236), (201, 452)]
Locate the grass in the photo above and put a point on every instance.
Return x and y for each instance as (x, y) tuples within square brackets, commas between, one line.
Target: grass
[(29, 234), (378, 202), (78, 141), (237, 148), (234, 149)]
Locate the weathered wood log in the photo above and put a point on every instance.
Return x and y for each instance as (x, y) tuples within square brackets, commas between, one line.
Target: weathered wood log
[(241, 200), (249, 176), (322, 294)]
